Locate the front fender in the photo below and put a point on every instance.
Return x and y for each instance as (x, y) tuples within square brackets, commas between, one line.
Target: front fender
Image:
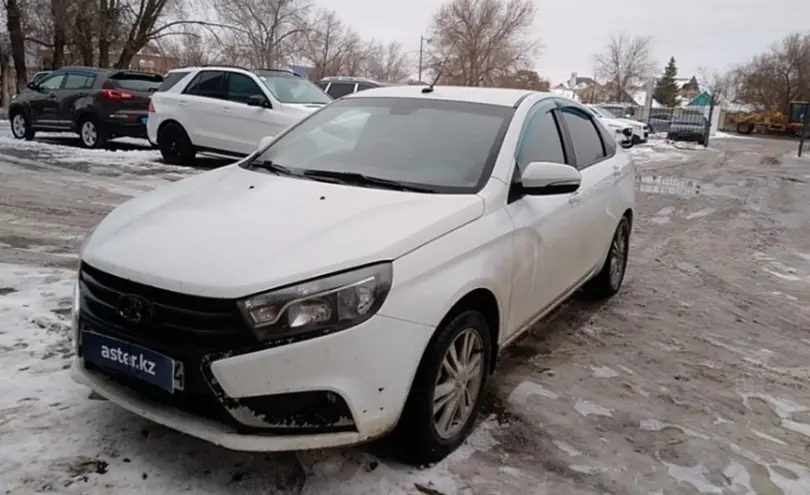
[(429, 281)]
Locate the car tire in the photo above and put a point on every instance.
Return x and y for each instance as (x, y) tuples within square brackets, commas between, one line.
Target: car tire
[(420, 437), (609, 280), (91, 134), (626, 144), (21, 126), (175, 145)]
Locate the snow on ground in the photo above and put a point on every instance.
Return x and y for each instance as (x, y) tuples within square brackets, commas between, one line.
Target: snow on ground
[(692, 380)]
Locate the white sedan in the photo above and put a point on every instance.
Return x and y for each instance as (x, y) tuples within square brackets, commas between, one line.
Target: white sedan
[(358, 275), (640, 130)]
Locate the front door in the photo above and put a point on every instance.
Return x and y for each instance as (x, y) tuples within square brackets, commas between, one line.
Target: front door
[(44, 103), (548, 229), (248, 124)]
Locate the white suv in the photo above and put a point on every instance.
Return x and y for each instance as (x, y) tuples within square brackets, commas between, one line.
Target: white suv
[(226, 110), (356, 276)]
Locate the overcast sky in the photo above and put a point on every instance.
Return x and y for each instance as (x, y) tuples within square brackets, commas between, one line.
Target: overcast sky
[(699, 33)]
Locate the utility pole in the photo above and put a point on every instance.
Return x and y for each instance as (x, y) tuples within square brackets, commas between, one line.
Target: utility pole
[(422, 41)]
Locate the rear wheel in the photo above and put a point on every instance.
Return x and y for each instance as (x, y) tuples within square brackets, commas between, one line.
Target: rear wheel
[(447, 391), (21, 126), (609, 280), (745, 128), (175, 146), (91, 134)]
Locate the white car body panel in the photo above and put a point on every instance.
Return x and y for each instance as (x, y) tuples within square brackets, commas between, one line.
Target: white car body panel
[(232, 232), (222, 125)]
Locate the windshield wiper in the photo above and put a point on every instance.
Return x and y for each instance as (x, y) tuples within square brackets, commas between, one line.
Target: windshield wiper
[(272, 167), (355, 178)]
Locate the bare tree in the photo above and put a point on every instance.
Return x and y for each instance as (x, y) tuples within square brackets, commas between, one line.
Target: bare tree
[(5, 68), (265, 31), (775, 78), (387, 62), (329, 45), (719, 85), (624, 63), (524, 79), (14, 25), (478, 41)]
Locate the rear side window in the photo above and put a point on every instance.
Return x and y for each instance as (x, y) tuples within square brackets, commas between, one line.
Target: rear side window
[(171, 79), (322, 85), (208, 84), (585, 137), (339, 90), (361, 86), (135, 81), (79, 81)]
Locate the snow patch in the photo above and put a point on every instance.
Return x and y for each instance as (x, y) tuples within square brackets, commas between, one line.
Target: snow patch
[(527, 389), (587, 408), (604, 372)]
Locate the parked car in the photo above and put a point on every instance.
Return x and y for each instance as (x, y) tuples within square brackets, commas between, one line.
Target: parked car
[(340, 86), (226, 110), (98, 104), (688, 129), (357, 275), (660, 123), (622, 131), (641, 131)]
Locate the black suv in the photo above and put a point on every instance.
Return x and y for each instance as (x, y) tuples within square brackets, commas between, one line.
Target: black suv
[(340, 86), (97, 104)]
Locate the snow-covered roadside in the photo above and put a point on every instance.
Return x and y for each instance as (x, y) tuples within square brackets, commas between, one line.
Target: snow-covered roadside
[(57, 436)]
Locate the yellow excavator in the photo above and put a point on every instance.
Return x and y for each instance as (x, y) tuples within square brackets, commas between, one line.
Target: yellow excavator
[(774, 121)]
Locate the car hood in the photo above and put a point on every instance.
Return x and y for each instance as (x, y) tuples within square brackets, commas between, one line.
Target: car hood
[(616, 123), (234, 232), (303, 108), (631, 123)]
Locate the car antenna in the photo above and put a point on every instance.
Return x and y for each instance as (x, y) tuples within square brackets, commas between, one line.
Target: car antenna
[(429, 89)]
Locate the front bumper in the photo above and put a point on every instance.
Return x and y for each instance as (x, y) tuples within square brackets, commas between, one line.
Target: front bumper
[(368, 368), (689, 136)]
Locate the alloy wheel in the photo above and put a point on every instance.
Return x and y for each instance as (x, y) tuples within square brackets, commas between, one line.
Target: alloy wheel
[(618, 254), (89, 134), (459, 383), (19, 126)]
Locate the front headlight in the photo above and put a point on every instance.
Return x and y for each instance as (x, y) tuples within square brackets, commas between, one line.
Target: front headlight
[(334, 302)]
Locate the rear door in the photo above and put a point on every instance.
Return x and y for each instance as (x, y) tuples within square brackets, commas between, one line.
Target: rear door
[(202, 106), (76, 93), (594, 152)]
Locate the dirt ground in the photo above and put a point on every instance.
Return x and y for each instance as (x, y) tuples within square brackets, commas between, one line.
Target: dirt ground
[(692, 380)]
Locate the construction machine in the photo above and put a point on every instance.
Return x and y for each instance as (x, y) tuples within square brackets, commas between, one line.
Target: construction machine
[(773, 121)]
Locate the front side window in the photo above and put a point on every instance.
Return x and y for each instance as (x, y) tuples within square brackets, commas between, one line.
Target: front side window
[(447, 146), (289, 88), (587, 142), (241, 87), (339, 90), (541, 141), (52, 83)]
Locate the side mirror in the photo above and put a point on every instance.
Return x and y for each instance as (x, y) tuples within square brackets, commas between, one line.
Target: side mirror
[(265, 142), (32, 86), (547, 178), (258, 101)]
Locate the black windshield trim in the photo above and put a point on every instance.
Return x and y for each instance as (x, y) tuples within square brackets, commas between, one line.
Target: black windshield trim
[(486, 172)]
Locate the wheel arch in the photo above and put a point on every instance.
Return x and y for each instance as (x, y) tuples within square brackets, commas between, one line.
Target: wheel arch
[(484, 301)]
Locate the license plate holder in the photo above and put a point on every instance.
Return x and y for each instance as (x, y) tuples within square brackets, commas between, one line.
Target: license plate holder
[(136, 361)]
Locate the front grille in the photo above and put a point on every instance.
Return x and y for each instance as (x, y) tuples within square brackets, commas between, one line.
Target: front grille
[(183, 327)]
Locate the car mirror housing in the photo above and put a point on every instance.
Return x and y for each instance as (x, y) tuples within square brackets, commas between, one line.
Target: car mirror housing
[(258, 101), (548, 178), (264, 143)]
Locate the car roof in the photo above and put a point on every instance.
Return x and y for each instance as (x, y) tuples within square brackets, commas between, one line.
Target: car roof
[(492, 96)]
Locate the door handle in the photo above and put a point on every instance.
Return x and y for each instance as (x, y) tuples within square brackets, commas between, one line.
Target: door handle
[(183, 103), (575, 199), (227, 110)]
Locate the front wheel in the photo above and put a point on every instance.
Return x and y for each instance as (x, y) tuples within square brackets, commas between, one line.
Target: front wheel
[(175, 145), (21, 127), (626, 144), (609, 280), (447, 391)]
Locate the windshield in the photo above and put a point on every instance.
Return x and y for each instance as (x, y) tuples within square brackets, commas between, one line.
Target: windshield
[(446, 146), (289, 88)]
